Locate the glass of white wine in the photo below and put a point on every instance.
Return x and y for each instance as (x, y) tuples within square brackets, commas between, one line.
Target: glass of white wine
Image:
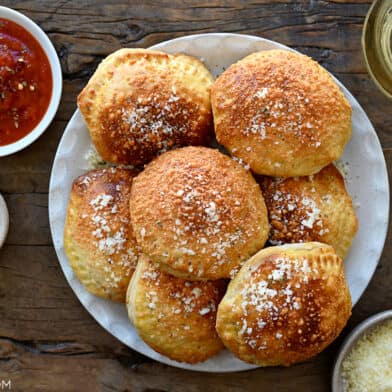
[(377, 44)]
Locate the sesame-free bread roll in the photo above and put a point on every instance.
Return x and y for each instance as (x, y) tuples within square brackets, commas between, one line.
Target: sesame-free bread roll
[(285, 305), (310, 208), (198, 213), (281, 113), (142, 102), (173, 316), (98, 238)]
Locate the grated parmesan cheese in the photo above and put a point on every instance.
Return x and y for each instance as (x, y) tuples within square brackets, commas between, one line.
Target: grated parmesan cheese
[(368, 367), (344, 169), (94, 160), (262, 93)]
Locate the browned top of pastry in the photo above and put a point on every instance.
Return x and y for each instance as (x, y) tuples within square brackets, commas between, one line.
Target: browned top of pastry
[(285, 305), (141, 102), (310, 208), (198, 213), (281, 113), (98, 238)]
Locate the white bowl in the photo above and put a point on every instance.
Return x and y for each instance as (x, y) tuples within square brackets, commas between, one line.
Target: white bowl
[(47, 46), (4, 220), (349, 343)]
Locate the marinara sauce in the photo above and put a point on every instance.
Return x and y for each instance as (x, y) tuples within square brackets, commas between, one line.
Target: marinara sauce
[(25, 82)]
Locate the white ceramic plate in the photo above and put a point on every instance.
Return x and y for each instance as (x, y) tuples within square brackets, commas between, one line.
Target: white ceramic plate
[(367, 182), (47, 46)]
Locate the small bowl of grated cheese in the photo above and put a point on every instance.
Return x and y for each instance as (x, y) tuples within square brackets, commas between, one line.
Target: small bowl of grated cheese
[(364, 363)]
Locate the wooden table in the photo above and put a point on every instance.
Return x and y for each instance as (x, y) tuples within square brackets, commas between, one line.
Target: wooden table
[(48, 342)]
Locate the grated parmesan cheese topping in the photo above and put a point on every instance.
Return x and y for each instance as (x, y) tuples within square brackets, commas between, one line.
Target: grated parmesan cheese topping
[(245, 165), (344, 169), (109, 231), (284, 115), (207, 215), (294, 217), (94, 160), (156, 120), (368, 367), (180, 297), (107, 241), (272, 296)]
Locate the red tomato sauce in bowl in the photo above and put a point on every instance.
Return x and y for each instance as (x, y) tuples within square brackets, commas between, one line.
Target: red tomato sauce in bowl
[(25, 82)]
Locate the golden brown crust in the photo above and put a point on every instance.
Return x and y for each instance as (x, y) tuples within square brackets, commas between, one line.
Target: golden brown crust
[(98, 240), (141, 102), (313, 208), (281, 113), (174, 316), (285, 305), (198, 213)]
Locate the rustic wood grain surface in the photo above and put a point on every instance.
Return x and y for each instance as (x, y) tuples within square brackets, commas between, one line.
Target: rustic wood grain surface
[(48, 342)]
